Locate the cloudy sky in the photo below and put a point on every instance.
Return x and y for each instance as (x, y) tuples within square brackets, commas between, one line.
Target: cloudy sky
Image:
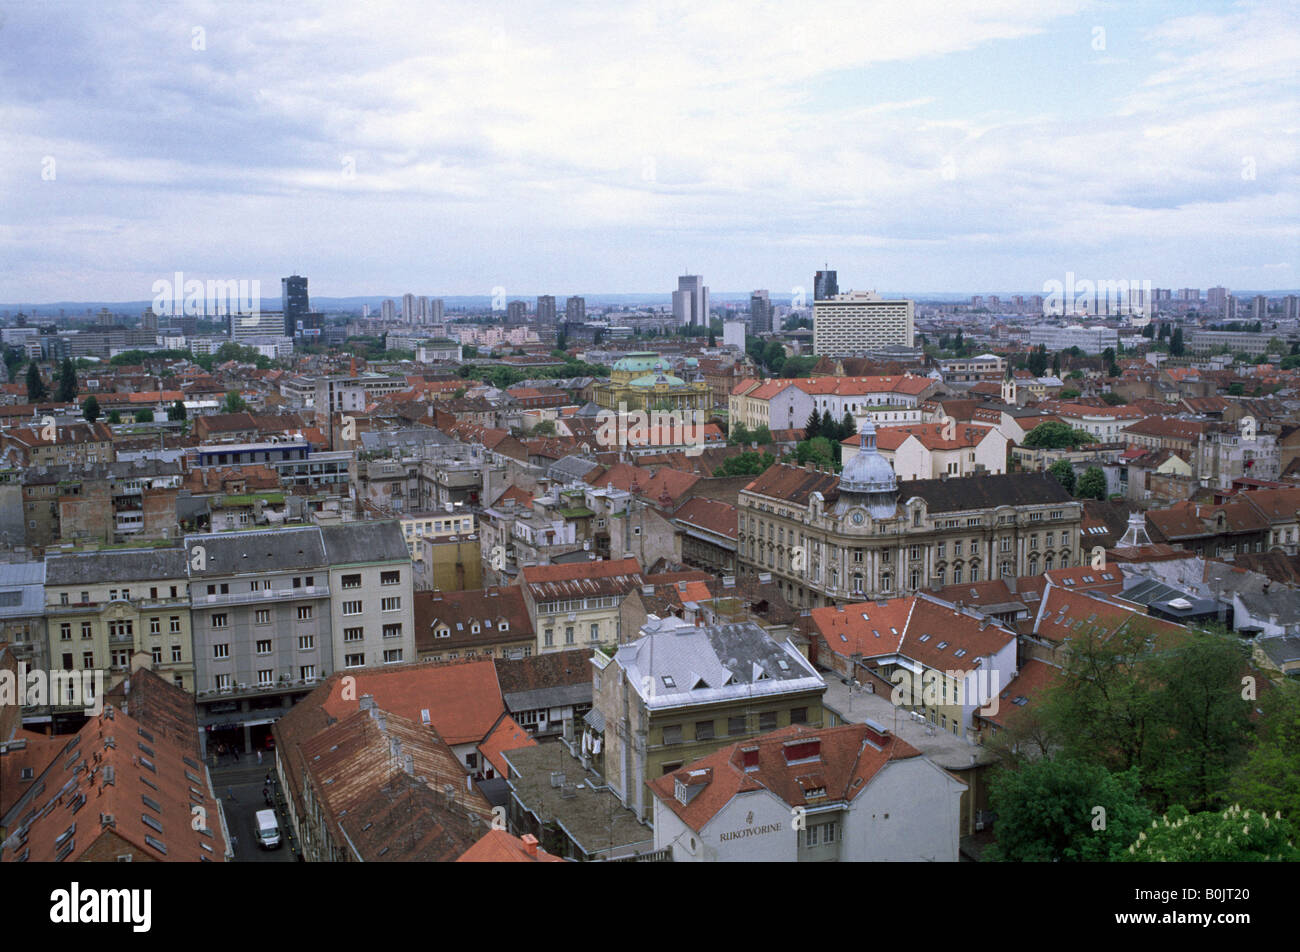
[(576, 147)]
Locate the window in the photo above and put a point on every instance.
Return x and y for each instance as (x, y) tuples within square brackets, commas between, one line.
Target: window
[(265, 677), (87, 630), (549, 637), (393, 604), (352, 608), (87, 659), (155, 626), (221, 650), (767, 721), (798, 715), (223, 682), (219, 620), (307, 672), (304, 613), (390, 578), (704, 730), (65, 631), (262, 616), (174, 624), (673, 734), (736, 725), (595, 631), (307, 642), (351, 581), (354, 660), (176, 653), (392, 656), (264, 646), (63, 596), (155, 654), (568, 635), (393, 631)]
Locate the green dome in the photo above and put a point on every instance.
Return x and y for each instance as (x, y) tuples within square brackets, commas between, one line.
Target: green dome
[(637, 363)]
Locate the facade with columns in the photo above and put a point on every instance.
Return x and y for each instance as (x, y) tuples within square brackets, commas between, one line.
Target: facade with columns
[(830, 539)]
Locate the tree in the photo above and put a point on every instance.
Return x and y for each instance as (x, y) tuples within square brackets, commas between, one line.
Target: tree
[(1149, 331), (848, 426), (1270, 775), (818, 451), (1056, 365), (177, 411), (114, 416), (1055, 436), (1164, 331), (36, 390), (1112, 399), (67, 382), (745, 464), (234, 403), (762, 435), (1236, 389), (814, 425), (1233, 835), (545, 428), (1176, 348), (740, 435), (713, 338), (144, 416), (1206, 724), (1047, 811), (1092, 484), (1064, 474), (1069, 393), (90, 409), (561, 339)]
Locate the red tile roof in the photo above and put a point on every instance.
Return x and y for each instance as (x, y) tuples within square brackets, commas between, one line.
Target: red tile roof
[(844, 756), (498, 846)]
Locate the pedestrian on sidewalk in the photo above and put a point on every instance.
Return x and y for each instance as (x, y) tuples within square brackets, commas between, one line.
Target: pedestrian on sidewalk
[(234, 843), (230, 793), (259, 756), (235, 752)]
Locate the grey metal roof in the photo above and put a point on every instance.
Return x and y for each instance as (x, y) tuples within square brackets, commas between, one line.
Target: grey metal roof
[(675, 663), (1281, 650), (115, 565), (570, 468), (270, 550), (595, 720), (561, 695), (1284, 604), (354, 542)]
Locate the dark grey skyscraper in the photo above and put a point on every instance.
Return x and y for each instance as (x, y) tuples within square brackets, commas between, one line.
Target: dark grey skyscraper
[(760, 313), (546, 309), (575, 310), (516, 312), (293, 301), (825, 285)]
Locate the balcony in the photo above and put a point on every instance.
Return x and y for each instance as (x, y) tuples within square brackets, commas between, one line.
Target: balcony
[(240, 691), (265, 595)]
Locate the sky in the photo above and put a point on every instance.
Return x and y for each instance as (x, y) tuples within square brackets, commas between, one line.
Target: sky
[(454, 148)]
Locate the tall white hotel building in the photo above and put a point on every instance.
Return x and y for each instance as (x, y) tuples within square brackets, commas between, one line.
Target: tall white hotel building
[(850, 324)]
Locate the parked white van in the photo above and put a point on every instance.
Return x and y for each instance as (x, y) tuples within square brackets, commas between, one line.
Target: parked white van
[(268, 830)]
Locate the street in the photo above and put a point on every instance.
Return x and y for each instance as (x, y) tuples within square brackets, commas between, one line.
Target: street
[(246, 779)]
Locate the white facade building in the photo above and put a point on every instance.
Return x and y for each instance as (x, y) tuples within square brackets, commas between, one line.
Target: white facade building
[(861, 321)]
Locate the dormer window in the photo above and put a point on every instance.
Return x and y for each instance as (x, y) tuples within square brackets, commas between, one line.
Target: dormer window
[(503, 626)]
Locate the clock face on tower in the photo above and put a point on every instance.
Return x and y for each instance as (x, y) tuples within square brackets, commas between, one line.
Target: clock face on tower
[(859, 517)]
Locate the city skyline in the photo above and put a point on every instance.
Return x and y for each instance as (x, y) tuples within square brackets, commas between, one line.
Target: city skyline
[(977, 150)]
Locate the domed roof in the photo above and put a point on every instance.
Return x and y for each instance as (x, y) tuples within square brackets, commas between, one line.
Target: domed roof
[(868, 471), (651, 380)]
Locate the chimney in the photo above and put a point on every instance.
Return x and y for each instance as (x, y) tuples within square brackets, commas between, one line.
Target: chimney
[(367, 703), (530, 844)]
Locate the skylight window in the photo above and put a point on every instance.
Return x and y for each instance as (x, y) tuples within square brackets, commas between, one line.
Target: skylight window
[(668, 681), (942, 645), (959, 653), (923, 637)]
